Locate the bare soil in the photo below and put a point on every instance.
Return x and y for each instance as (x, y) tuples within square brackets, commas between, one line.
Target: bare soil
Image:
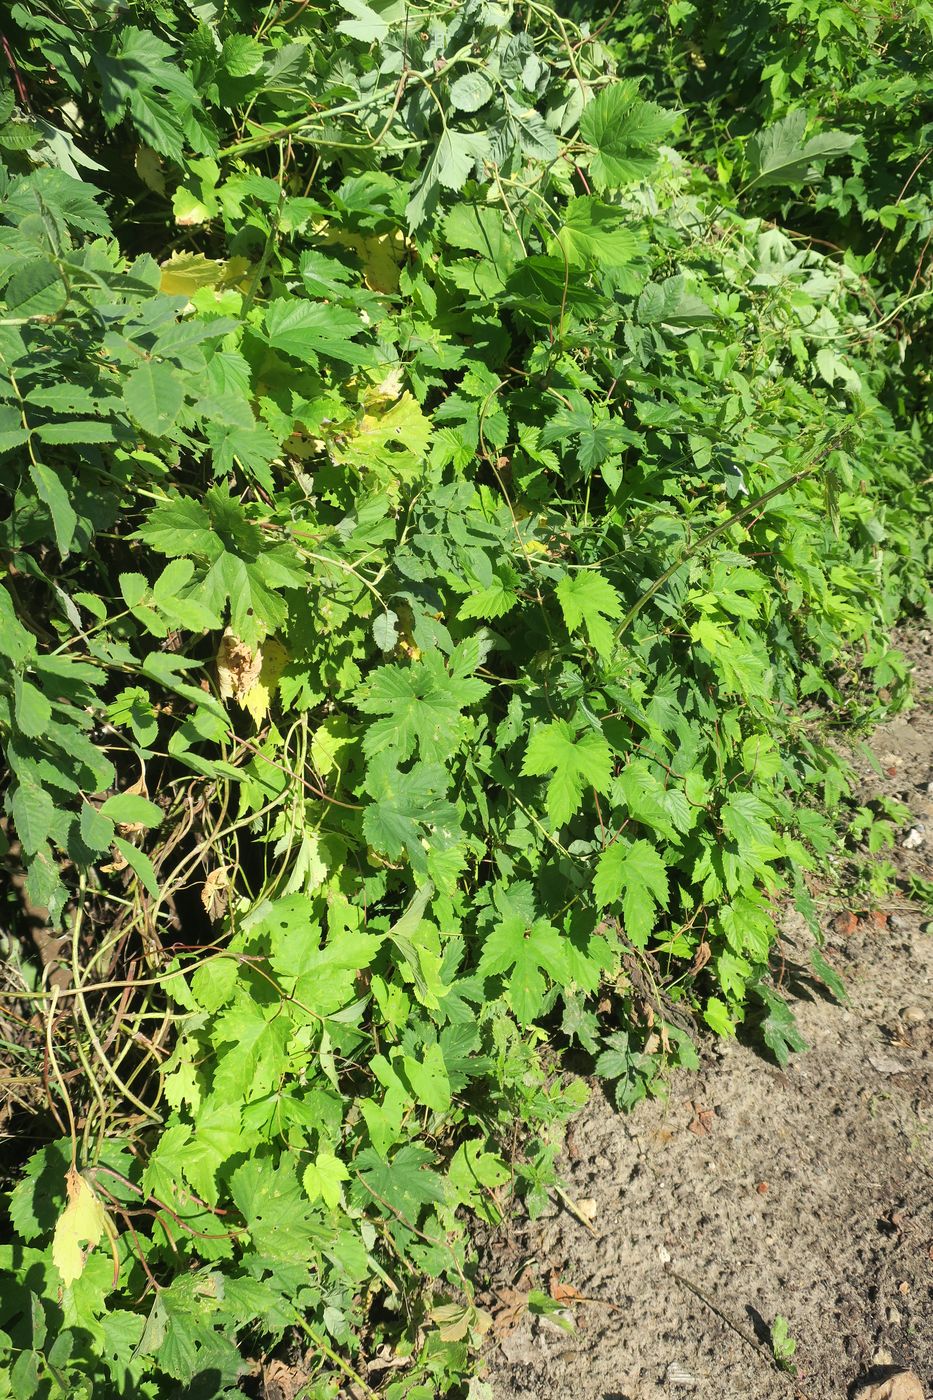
[(755, 1192)]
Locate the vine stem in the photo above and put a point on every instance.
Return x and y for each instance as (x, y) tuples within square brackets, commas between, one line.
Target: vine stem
[(748, 509), (333, 1356)]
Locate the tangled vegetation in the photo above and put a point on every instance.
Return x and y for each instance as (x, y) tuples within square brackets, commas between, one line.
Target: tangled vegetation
[(445, 511)]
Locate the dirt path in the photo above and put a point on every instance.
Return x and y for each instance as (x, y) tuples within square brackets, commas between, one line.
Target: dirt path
[(805, 1193)]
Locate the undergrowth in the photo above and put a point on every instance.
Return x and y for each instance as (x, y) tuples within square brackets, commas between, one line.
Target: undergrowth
[(442, 523)]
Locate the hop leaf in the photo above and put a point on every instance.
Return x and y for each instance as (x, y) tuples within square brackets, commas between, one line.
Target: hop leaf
[(526, 948), (623, 132), (637, 873), (594, 235), (574, 763), (587, 599)]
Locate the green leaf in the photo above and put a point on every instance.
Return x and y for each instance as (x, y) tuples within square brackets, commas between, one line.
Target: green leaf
[(33, 812), (422, 705), (535, 137), (371, 23), (637, 873), (96, 829), (669, 303), (153, 395), (778, 1026), (587, 599), (454, 157), (306, 329), (16, 643), (624, 132), (180, 525), (13, 433), (470, 92), (428, 1077), (828, 975), (129, 809), (750, 823), (59, 434), (216, 1137), (406, 1181), (385, 630), (575, 764), (32, 709), (323, 1179), (140, 863), (35, 289), (780, 156), (527, 948), (594, 234), (716, 1015), (403, 804), (50, 490), (241, 55), (278, 1216)]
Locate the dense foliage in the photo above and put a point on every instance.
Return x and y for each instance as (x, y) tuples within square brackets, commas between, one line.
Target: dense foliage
[(864, 68), (442, 521)]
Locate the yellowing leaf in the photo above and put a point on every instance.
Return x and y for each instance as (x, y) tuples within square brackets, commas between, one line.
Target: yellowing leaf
[(274, 660), (328, 741), (393, 442), (388, 390), (185, 273), (188, 209), (323, 1177), (233, 273), (149, 168), (248, 676), (79, 1228), (381, 255)]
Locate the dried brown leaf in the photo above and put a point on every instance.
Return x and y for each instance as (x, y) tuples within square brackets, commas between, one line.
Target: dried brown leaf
[(214, 893)]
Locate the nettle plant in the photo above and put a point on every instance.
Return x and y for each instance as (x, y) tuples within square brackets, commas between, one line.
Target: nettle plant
[(436, 539)]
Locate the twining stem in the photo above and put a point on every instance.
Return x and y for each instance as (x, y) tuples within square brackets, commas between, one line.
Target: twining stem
[(749, 508)]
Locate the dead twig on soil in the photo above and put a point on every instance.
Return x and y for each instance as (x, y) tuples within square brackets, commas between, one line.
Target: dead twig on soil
[(747, 1337)]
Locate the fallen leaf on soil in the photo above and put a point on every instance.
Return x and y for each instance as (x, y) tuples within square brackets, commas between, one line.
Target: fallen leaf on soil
[(386, 1360), (903, 1386), (702, 1122), (879, 918), (282, 1382), (513, 1305), (562, 1292), (845, 924), (453, 1321), (886, 1064)]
